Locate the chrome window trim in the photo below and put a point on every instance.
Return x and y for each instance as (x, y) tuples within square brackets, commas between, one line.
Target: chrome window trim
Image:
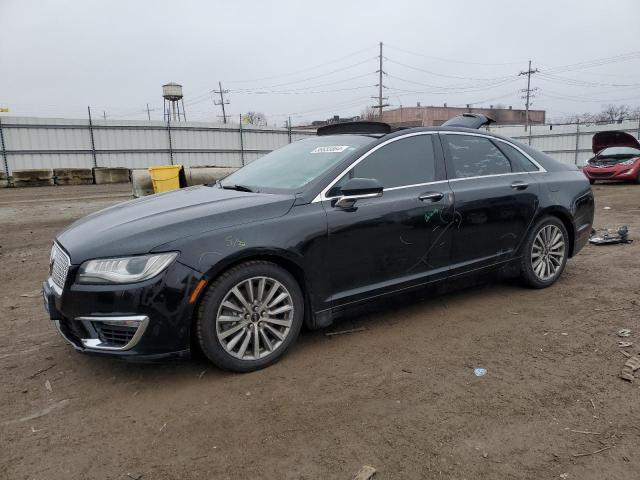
[(322, 195)]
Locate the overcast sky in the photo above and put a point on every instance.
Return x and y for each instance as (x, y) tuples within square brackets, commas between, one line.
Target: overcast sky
[(313, 59)]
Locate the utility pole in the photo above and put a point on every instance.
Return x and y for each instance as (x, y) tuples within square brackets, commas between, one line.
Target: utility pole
[(223, 101), (380, 86), (148, 112), (529, 93), (104, 114)]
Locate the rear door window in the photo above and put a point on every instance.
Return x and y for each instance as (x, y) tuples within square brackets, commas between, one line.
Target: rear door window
[(472, 156), (518, 160)]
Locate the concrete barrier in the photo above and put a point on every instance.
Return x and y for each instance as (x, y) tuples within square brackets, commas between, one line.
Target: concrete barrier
[(33, 178), (142, 184), (73, 176), (104, 175), (202, 175)]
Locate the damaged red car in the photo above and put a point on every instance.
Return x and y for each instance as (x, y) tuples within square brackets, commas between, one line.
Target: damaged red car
[(617, 158)]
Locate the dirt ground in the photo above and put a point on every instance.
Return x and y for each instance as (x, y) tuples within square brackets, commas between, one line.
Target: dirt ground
[(400, 395)]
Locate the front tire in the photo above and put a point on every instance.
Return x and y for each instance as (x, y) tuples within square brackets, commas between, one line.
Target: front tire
[(546, 250), (592, 181), (250, 316)]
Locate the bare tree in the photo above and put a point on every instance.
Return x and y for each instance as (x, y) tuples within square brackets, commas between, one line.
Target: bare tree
[(368, 114), (614, 113), (257, 119)]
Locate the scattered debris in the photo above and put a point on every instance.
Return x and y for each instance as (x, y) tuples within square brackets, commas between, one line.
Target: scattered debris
[(42, 370), (33, 430), (47, 385), (406, 370), (607, 208), (624, 332), (365, 473), (202, 374), (34, 294), (592, 404), (342, 332), (479, 372), (630, 366), (134, 476), (585, 432), (39, 414), (623, 344), (592, 453), (162, 427), (564, 475), (564, 334), (626, 354), (610, 236)]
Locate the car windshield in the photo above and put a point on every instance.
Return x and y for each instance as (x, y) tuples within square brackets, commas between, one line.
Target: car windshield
[(615, 151), (292, 167)]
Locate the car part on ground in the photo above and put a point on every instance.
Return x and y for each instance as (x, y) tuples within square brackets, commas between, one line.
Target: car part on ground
[(610, 236)]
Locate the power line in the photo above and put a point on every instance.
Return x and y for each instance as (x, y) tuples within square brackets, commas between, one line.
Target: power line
[(449, 59)]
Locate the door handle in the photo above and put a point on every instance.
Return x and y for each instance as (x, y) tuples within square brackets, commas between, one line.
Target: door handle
[(431, 196), (519, 185)]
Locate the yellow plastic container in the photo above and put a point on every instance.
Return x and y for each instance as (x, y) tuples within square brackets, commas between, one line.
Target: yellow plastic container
[(165, 177)]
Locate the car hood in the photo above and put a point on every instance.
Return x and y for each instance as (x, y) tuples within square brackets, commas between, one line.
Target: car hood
[(613, 138), (137, 226)]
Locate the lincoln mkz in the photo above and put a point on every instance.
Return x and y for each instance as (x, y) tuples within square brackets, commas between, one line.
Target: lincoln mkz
[(357, 212)]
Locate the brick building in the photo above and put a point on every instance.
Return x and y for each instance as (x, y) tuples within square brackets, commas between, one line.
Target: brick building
[(431, 116)]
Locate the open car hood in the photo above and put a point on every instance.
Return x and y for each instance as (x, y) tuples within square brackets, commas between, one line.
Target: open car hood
[(469, 120), (613, 138)]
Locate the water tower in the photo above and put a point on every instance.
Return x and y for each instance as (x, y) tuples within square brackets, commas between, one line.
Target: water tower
[(172, 94)]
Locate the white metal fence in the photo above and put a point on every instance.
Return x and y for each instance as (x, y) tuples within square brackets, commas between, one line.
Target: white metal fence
[(569, 143), (29, 142)]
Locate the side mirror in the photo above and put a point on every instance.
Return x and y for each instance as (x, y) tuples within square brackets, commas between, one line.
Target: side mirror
[(358, 189)]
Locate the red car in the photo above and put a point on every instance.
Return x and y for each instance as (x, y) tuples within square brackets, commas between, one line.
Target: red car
[(617, 158)]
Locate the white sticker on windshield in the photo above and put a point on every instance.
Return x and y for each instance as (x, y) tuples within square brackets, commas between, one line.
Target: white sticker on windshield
[(330, 149)]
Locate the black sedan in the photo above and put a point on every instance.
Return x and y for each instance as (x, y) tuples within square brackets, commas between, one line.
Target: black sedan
[(353, 214)]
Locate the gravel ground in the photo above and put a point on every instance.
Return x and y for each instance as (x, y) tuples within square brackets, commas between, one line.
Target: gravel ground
[(400, 395)]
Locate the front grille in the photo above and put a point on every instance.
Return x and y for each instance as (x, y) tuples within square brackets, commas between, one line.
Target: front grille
[(601, 174), (114, 335), (59, 266)]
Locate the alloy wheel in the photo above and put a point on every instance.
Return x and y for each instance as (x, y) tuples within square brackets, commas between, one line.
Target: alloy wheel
[(254, 318), (547, 252)]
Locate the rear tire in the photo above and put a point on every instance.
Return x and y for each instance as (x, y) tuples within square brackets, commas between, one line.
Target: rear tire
[(250, 316), (546, 250)]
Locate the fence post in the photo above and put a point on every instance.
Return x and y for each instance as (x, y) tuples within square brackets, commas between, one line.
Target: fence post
[(638, 128), (169, 133), (93, 144), (241, 143), (289, 129), (4, 152), (577, 141)]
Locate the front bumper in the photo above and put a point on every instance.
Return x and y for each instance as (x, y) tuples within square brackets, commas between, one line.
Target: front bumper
[(623, 173), (146, 319)]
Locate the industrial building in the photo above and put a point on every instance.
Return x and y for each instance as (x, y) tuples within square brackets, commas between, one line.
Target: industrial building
[(431, 116)]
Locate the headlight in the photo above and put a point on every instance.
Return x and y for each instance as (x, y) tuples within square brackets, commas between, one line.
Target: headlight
[(124, 270), (629, 162)]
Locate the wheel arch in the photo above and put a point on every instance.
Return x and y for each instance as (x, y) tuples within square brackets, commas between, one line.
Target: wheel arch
[(565, 217), (282, 258)]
